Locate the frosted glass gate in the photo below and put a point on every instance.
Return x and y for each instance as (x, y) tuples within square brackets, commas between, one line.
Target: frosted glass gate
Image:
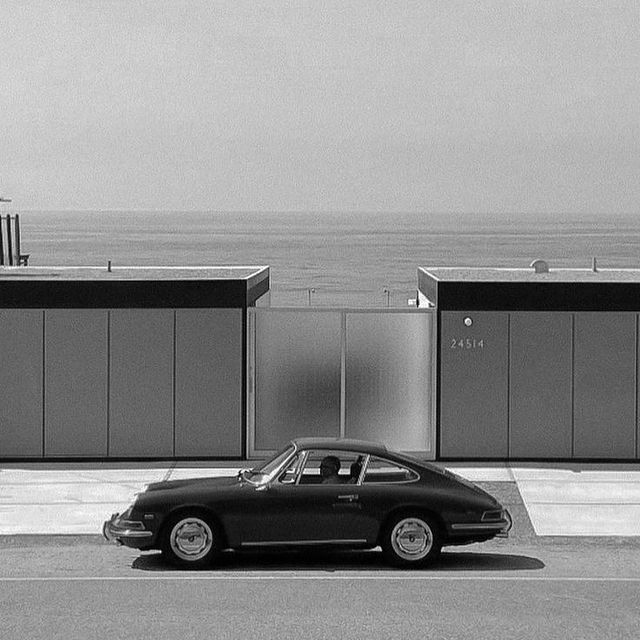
[(365, 374)]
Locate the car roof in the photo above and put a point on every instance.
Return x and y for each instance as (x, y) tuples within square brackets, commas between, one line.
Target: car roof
[(341, 444)]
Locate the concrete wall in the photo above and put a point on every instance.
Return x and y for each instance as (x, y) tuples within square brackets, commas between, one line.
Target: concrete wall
[(121, 383), (538, 385)]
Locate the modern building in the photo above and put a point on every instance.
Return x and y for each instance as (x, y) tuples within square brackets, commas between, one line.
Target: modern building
[(178, 363), (535, 363), (124, 362)]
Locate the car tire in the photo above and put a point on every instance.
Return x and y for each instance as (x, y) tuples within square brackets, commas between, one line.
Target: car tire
[(411, 540), (190, 540)]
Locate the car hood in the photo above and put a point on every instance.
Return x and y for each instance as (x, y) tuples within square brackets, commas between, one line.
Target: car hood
[(200, 483)]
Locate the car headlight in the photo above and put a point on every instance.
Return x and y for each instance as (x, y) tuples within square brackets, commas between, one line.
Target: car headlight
[(125, 515), (124, 522)]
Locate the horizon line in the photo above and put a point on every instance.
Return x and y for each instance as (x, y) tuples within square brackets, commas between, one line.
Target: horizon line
[(322, 211)]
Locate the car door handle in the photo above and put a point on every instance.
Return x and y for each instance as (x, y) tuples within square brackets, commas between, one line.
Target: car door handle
[(351, 497)]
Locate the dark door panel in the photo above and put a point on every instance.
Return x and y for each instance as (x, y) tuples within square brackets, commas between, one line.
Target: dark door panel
[(305, 514)]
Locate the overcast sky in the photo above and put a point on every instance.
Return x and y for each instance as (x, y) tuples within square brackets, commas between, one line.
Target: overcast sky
[(476, 105)]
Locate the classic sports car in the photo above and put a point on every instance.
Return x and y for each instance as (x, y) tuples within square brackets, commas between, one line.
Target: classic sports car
[(315, 492)]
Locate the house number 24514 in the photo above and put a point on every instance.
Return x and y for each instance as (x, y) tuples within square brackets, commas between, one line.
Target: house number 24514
[(466, 343)]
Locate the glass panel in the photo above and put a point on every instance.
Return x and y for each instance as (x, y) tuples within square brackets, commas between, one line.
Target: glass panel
[(389, 383), (379, 470), (270, 465), (297, 379), (331, 467), (264, 472)]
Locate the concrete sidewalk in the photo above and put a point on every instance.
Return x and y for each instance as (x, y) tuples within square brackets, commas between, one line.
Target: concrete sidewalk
[(559, 499), (571, 499)]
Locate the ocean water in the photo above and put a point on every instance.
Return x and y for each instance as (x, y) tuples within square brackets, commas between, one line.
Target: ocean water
[(348, 259)]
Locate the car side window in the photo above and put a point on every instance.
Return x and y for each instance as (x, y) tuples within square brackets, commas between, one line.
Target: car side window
[(380, 470), (331, 467)]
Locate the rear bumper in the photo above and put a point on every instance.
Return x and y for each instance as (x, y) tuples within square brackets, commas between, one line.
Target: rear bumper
[(504, 532), (127, 532), (499, 528)]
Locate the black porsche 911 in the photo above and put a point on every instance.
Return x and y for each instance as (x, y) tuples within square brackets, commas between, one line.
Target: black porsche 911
[(316, 492)]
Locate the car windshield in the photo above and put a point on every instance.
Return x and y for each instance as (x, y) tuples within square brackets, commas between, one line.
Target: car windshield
[(263, 473)]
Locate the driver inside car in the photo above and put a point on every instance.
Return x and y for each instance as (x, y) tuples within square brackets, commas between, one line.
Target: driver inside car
[(329, 468)]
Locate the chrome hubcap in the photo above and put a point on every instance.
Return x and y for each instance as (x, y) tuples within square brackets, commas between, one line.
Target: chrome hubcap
[(191, 539), (412, 539)]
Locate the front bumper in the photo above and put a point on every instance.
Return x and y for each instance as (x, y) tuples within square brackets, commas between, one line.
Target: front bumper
[(127, 532)]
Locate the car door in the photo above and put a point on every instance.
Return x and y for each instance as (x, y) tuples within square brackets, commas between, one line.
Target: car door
[(298, 508), (384, 486)]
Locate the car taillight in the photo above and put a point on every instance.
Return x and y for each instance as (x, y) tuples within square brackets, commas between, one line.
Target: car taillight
[(493, 516)]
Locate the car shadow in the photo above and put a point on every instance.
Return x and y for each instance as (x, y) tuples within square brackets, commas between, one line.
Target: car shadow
[(370, 560)]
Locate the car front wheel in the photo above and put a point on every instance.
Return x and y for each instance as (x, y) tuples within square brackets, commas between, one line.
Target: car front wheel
[(411, 541), (190, 540)]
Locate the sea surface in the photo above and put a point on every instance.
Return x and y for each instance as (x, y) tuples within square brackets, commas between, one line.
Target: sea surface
[(346, 259)]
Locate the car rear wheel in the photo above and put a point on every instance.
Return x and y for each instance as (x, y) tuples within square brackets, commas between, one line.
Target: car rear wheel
[(411, 541), (190, 540)]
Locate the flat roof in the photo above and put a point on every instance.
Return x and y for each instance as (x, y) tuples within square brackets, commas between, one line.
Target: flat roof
[(130, 273), (503, 274), (125, 287), (518, 289)]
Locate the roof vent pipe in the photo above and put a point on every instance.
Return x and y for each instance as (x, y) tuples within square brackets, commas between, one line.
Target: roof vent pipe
[(594, 265), (540, 266)]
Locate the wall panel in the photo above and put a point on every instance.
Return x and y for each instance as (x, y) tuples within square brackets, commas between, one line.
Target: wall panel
[(209, 382), (540, 416), (141, 382), (605, 385), (297, 385), (389, 379), (75, 368), (21, 362), (473, 384)]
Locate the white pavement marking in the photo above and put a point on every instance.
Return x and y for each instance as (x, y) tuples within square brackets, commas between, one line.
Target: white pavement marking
[(77, 501), (87, 492), (581, 502), (62, 518), (315, 577), (498, 473), (46, 476), (180, 474), (580, 519), (580, 473)]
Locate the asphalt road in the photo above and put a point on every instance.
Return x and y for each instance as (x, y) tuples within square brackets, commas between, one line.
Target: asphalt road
[(81, 588)]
